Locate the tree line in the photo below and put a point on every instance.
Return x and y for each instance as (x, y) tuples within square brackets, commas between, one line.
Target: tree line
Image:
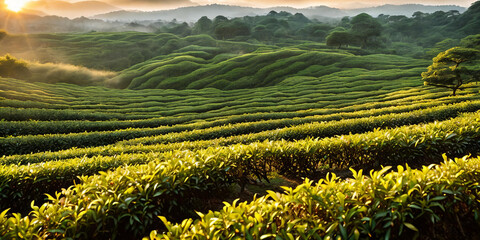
[(422, 35)]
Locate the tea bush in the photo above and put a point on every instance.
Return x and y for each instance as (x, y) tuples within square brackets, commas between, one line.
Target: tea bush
[(403, 204), (416, 145), (122, 203), (28, 144)]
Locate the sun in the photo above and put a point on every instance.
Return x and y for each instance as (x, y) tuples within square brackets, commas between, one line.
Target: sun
[(16, 5)]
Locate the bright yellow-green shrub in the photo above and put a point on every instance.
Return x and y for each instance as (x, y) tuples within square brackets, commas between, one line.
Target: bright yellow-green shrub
[(166, 134), (421, 144), (381, 205), (122, 202)]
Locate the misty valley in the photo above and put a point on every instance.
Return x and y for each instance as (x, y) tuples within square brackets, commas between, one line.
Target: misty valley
[(127, 120)]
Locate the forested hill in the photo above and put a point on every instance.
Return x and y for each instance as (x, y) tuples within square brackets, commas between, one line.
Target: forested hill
[(191, 14)]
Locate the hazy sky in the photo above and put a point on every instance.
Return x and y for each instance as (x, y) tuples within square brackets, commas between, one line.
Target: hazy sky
[(267, 3)]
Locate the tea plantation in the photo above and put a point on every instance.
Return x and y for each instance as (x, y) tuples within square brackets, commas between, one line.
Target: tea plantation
[(336, 143)]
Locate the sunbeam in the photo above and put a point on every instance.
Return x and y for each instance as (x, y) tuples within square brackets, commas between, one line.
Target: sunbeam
[(16, 5)]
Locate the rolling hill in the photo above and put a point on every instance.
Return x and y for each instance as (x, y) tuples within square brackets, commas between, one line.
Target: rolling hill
[(194, 70)]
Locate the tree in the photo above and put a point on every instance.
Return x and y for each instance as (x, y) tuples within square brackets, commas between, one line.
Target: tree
[(339, 39), (262, 33), (12, 67), (231, 29), (298, 17), (317, 31), (180, 29), (365, 27), (272, 13), (453, 68), (472, 41), (219, 20), (203, 26), (3, 34), (419, 15), (441, 46), (397, 18), (345, 22)]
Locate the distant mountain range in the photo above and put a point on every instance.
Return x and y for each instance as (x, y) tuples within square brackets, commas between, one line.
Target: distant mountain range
[(192, 14), (405, 9), (70, 10)]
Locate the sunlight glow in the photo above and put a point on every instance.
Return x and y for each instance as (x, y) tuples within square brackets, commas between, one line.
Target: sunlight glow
[(16, 5)]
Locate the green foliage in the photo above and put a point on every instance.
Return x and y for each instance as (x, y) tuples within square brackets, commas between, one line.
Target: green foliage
[(140, 153), (292, 129), (407, 49), (366, 28), (182, 30), (472, 41), (466, 23), (416, 144), (337, 91), (12, 67), (447, 72), (231, 29), (3, 34), (441, 47), (339, 39), (397, 205), (122, 203), (267, 130), (203, 26), (114, 51), (26, 114)]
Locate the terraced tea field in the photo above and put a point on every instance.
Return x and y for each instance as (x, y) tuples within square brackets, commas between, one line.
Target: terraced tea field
[(92, 162)]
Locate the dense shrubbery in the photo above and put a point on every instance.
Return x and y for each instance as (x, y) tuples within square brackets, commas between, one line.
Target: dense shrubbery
[(157, 186), (180, 133), (321, 126), (398, 205), (414, 145), (122, 203), (11, 67)]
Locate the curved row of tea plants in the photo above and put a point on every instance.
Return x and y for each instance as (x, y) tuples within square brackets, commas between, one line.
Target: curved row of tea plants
[(416, 145), (404, 204), (18, 128), (39, 143), (122, 202), (28, 110), (361, 89), (295, 130)]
